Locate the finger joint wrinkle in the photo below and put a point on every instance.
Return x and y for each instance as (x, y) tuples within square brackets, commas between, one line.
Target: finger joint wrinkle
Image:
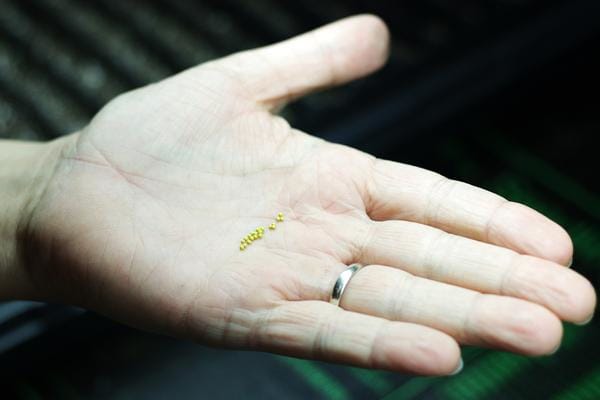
[(437, 194), (489, 223), (324, 333)]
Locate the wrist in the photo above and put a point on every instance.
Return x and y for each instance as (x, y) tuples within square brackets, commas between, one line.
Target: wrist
[(25, 170)]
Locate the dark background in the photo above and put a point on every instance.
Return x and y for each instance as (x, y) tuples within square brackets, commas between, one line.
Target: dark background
[(499, 93)]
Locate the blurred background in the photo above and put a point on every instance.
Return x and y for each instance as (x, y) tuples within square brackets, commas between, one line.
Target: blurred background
[(498, 93)]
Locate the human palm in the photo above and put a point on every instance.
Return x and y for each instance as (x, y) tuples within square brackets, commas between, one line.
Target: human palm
[(143, 217)]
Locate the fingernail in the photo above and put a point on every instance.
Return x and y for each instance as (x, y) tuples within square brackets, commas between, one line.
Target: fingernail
[(461, 364), (555, 350), (570, 263), (587, 321)]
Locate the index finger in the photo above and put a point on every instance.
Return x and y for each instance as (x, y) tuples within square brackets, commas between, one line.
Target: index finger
[(403, 192)]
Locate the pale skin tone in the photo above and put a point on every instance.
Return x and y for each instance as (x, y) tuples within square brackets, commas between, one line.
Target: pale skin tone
[(139, 216)]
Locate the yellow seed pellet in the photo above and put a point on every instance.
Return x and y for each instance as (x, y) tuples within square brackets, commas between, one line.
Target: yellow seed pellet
[(258, 233)]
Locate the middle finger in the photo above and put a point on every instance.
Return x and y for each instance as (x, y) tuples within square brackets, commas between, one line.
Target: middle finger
[(437, 255)]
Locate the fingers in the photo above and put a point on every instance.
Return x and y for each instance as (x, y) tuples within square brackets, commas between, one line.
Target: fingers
[(331, 55), (437, 255), (399, 191), (470, 317), (315, 329)]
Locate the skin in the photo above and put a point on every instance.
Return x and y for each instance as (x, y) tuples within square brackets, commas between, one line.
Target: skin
[(139, 216)]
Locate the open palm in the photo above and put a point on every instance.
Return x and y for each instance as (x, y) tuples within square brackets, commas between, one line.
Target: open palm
[(143, 217)]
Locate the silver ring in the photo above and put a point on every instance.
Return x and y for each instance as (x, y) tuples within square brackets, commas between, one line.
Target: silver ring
[(342, 282)]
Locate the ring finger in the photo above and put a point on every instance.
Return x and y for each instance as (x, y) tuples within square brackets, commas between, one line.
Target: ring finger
[(469, 316)]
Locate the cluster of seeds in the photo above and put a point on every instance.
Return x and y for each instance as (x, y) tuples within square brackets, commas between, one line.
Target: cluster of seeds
[(251, 237), (258, 233)]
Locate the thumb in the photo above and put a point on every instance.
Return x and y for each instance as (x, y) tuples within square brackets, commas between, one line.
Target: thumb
[(331, 55)]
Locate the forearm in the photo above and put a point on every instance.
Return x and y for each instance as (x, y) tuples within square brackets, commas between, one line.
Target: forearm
[(25, 168)]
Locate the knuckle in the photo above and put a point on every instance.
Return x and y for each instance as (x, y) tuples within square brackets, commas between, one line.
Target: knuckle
[(365, 240), (325, 334), (437, 195), (400, 289)]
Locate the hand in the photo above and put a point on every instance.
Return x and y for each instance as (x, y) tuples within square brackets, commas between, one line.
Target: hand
[(143, 212)]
